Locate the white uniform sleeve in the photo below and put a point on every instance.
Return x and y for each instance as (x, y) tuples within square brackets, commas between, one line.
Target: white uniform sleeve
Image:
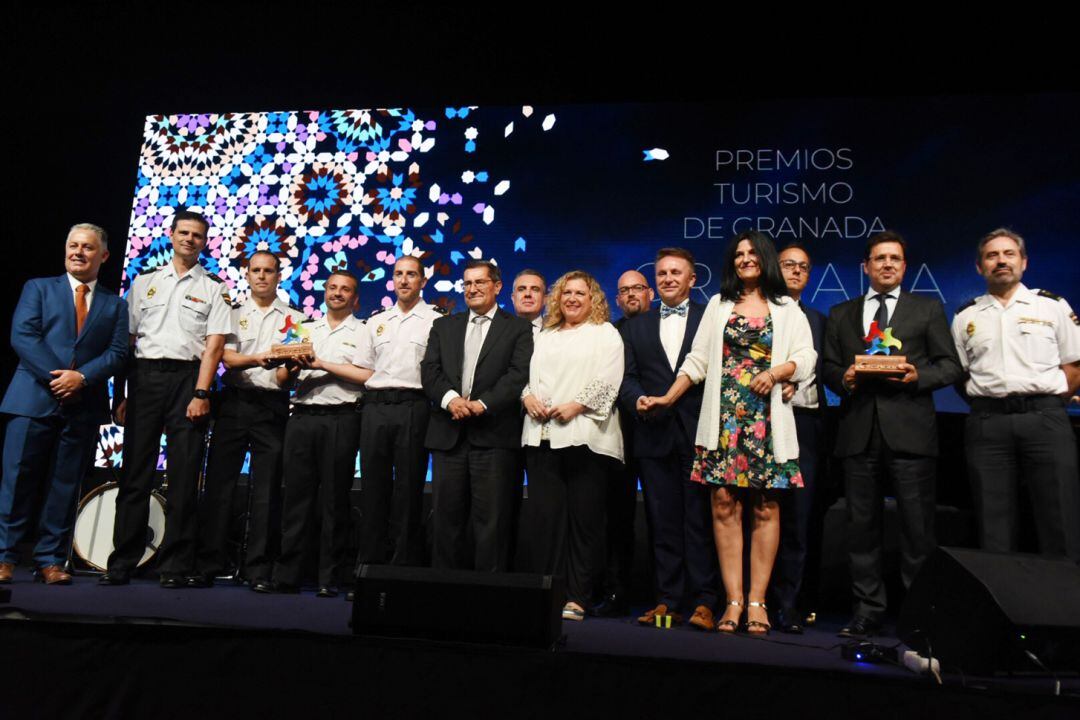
[(220, 320), (1068, 333), (365, 350), (232, 340), (134, 298), (958, 340)]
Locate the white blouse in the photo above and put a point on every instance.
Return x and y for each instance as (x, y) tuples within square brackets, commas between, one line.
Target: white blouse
[(582, 364), (792, 342)]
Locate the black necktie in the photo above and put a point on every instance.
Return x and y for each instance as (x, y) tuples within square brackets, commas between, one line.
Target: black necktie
[(882, 312)]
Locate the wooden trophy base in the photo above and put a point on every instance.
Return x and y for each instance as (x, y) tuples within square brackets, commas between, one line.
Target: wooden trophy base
[(291, 351), (879, 365)]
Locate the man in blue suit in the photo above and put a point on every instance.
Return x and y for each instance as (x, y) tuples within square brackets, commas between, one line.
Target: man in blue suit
[(678, 510), (70, 334), (797, 510)]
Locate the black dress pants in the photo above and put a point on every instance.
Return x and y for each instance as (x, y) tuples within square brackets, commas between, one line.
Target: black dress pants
[(567, 493), (1035, 447), (680, 517), (159, 392), (473, 487), (393, 469), (320, 460), (796, 511), (865, 478), (254, 420)]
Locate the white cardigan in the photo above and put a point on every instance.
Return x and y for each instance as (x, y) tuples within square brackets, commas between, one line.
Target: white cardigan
[(792, 342)]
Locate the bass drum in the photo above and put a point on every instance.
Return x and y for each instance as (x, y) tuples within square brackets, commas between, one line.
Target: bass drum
[(93, 538)]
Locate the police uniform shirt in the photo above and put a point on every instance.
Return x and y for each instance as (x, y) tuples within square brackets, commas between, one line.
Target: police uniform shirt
[(393, 344), (170, 316), (256, 329), (337, 345), (1017, 349), (75, 283)]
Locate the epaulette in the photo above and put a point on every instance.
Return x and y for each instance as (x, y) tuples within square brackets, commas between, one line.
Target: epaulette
[(965, 306), (376, 311), (308, 320), (440, 310), (237, 305), (295, 309), (214, 277), (1048, 294)]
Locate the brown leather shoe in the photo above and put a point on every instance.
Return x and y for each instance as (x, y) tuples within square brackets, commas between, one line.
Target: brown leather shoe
[(649, 618), (52, 575), (703, 619), (6, 571)]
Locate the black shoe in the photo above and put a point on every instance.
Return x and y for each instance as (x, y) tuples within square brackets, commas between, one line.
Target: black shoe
[(199, 581), (612, 606), (326, 591), (860, 627), (262, 586), (787, 621), (173, 582), (115, 577)]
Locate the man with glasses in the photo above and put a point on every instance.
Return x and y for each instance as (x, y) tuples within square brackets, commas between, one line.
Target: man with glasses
[(797, 508), (474, 369), (888, 427)]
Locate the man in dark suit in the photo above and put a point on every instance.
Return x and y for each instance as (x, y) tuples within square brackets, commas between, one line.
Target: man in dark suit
[(678, 510), (70, 334), (797, 506), (474, 369), (887, 426)]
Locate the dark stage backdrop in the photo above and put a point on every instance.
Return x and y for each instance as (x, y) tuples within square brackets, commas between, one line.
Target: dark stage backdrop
[(601, 187)]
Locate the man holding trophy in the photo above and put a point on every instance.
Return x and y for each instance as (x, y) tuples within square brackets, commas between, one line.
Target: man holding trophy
[(887, 422)]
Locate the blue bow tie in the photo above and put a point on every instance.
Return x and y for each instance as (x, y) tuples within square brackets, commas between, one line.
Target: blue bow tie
[(680, 310)]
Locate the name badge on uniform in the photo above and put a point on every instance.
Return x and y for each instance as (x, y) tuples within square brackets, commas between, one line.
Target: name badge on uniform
[(1035, 321), (192, 298), (971, 328), (349, 344)]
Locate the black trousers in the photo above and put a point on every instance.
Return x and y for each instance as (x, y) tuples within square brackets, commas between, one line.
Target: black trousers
[(621, 508), (246, 420), (1036, 447), (865, 478), (567, 494), (159, 392), (393, 469), (797, 508), (473, 487), (680, 518), (320, 460)]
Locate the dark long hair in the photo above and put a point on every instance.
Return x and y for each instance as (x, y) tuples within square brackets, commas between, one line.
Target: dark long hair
[(772, 282)]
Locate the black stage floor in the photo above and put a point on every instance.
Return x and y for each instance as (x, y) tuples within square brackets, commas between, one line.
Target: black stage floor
[(141, 651)]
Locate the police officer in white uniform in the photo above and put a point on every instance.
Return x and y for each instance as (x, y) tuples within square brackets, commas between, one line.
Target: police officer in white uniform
[(251, 417), (1021, 349), (320, 444), (393, 459), (179, 316)]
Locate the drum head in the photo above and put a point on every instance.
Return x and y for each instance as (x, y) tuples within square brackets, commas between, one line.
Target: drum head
[(93, 537)]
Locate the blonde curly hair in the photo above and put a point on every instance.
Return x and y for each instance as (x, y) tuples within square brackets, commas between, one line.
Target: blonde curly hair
[(600, 313)]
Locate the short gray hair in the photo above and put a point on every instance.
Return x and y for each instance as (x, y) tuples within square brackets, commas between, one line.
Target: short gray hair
[(103, 237), (1001, 232)]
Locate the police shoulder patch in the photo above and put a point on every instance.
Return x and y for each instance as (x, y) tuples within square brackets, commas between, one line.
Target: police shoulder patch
[(1048, 294), (965, 306)]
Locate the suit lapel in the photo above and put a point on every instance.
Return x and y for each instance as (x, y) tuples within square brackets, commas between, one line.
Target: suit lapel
[(498, 325), (857, 318), (693, 319), (66, 304), (95, 311)]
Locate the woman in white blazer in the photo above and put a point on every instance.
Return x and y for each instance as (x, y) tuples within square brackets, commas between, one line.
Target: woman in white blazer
[(751, 339), (571, 434)]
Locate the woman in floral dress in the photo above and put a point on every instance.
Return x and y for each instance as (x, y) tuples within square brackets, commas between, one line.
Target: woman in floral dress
[(752, 338)]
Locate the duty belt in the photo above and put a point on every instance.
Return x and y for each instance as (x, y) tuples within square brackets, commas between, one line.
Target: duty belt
[(1013, 404), (166, 364), (338, 409), (395, 395)]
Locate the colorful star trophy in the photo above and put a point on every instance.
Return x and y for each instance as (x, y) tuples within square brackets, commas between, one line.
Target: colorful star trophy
[(297, 342), (879, 360)]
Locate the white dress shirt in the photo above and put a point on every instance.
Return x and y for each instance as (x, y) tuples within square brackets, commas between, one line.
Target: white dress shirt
[(484, 328), (393, 344), (75, 282), (870, 306), (672, 331)]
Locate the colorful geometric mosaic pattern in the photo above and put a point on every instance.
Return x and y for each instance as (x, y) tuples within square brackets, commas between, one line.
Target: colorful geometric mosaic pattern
[(324, 190)]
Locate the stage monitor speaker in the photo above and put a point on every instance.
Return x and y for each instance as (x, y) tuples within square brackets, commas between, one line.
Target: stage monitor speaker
[(983, 612), (458, 605)]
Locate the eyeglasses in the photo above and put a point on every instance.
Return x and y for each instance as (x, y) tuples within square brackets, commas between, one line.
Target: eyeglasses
[(882, 259), (633, 289), (791, 265), (478, 284)]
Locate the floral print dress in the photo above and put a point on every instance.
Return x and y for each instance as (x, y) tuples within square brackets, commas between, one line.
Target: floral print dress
[(743, 456)]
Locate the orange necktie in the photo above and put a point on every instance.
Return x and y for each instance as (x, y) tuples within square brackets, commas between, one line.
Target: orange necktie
[(80, 307)]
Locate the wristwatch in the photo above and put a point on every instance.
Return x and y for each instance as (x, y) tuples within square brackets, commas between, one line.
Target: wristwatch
[(202, 394)]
